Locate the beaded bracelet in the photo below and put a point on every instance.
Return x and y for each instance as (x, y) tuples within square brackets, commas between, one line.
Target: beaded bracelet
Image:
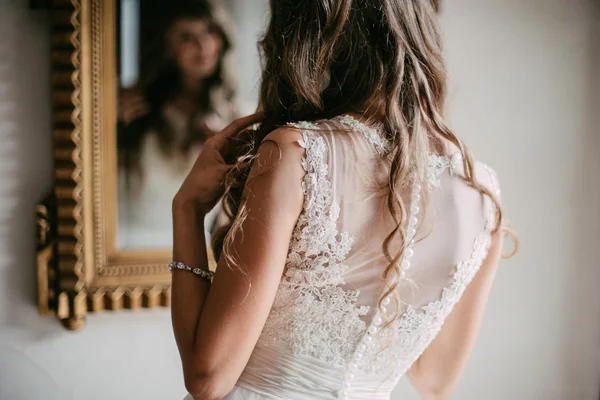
[(202, 273)]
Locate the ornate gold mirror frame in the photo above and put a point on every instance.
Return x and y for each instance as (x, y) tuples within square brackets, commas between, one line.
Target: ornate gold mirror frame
[(78, 268)]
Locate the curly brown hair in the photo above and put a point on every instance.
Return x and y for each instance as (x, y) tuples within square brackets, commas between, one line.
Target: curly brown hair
[(380, 58)]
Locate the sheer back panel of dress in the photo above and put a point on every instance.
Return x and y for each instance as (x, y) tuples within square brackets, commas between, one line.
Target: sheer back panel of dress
[(325, 336)]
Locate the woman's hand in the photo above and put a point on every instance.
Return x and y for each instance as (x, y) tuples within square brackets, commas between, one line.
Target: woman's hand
[(203, 187), (132, 106)]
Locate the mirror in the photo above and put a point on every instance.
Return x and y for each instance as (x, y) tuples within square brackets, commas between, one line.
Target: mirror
[(138, 86), (176, 87)]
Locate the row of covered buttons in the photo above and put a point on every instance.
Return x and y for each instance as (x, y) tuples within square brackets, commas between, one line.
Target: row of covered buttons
[(404, 265)]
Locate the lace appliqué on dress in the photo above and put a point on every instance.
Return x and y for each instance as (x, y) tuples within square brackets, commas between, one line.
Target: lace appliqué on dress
[(438, 164), (416, 328), (311, 312), (396, 349), (374, 135)]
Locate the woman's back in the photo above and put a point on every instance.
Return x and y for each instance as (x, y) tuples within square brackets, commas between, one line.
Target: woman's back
[(295, 310), (325, 337)]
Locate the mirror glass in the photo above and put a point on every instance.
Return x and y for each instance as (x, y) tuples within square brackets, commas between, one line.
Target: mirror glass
[(186, 68)]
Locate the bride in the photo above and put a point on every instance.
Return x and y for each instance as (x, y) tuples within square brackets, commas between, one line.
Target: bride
[(364, 237)]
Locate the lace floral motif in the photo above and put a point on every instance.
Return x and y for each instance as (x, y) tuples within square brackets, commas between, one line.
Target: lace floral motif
[(374, 135), (438, 164), (311, 312)]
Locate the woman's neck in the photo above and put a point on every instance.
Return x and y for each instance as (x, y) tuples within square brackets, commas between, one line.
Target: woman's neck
[(191, 85), (188, 99), (185, 104)]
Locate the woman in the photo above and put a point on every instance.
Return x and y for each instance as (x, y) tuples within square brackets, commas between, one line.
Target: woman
[(186, 97), (365, 237)]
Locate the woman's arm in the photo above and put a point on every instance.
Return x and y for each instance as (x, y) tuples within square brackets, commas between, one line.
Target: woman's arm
[(188, 292), (216, 331), (438, 370)]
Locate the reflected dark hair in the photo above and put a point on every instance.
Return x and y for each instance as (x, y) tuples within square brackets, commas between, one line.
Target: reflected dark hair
[(161, 81)]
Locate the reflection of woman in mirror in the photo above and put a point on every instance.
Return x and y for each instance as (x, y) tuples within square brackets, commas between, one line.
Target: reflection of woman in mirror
[(181, 100)]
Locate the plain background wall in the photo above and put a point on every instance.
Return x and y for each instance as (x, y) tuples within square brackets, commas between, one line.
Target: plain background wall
[(525, 95)]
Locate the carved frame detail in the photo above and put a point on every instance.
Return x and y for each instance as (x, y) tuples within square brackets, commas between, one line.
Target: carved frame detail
[(78, 268)]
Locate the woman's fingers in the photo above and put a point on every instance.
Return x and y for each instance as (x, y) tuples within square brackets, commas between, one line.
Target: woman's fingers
[(134, 103), (228, 140), (126, 94), (139, 112), (133, 108), (133, 115), (239, 125)]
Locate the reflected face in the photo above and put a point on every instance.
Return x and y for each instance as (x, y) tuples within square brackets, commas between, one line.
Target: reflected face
[(195, 47)]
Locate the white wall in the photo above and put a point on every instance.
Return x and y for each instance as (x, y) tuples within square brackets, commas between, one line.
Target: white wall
[(525, 96), (115, 356), (250, 18)]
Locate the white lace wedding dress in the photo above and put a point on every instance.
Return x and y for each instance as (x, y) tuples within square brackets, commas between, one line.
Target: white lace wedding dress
[(324, 337)]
